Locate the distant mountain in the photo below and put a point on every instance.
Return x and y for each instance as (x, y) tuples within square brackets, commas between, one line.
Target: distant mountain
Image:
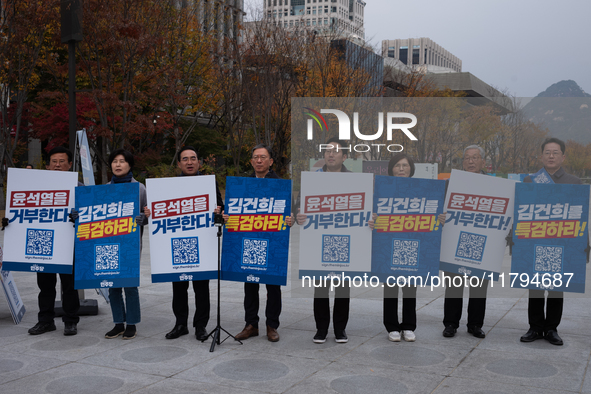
[(564, 89), (565, 109)]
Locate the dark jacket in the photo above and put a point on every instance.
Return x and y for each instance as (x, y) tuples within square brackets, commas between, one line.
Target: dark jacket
[(218, 195), (559, 176), (343, 169), (271, 174)]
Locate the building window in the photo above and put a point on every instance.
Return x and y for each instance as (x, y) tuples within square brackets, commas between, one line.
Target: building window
[(392, 52), (415, 55), (403, 54)]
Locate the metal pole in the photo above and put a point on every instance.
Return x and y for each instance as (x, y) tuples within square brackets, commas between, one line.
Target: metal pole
[(72, 92)]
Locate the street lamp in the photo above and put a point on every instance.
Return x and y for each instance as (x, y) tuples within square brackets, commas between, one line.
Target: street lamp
[(71, 19)]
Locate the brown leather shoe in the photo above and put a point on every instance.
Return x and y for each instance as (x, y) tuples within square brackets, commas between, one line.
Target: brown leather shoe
[(272, 334), (249, 331)]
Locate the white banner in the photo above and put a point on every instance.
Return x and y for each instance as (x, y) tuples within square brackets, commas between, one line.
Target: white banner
[(479, 217), (40, 237), (335, 237), (183, 240)]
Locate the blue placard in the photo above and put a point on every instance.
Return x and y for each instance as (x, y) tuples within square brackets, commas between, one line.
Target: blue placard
[(407, 236), (550, 235), (107, 245), (256, 237)]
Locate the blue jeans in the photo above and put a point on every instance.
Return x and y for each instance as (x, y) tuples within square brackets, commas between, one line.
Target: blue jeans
[(122, 313)]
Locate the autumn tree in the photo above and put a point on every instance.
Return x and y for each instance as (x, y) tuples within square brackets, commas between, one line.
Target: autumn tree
[(26, 27), (578, 158)]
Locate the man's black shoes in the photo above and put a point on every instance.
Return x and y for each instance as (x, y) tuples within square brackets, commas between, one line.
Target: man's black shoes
[(42, 328), (476, 331), (177, 331), (200, 333), (553, 338), (531, 335), (449, 331), (70, 329)]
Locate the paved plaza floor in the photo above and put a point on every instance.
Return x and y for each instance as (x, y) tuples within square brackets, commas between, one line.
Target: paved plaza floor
[(368, 363)]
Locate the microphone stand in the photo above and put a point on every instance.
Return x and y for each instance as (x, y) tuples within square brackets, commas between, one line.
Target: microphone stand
[(215, 334)]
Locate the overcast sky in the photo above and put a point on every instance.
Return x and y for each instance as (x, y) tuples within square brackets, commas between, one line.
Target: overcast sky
[(522, 46)]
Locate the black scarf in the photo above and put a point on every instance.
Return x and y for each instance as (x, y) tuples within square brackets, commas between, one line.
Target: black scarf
[(123, 179)]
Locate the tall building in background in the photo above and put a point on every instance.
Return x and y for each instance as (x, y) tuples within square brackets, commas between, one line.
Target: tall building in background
[(342, 16), (421, 52), (220, 18)]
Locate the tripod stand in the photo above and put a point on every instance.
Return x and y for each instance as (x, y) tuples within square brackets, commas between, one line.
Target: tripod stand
[(215, 334)]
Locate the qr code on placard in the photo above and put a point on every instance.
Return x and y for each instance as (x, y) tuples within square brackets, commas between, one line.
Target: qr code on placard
[(106, 257), (254, 252), (405, 252), (39, 242), (548, 258), (185, 250), (336, 248), (471, 246)]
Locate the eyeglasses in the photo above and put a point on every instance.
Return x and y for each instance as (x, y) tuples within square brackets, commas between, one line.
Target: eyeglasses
[(186, 159), (263, 157), (472, 158), (402, 165), (552, 153)]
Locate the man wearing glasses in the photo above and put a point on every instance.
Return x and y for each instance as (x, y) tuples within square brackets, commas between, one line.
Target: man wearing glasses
[(189, 164), (334, 159), (474, 161), (261, 162), (553, 156)]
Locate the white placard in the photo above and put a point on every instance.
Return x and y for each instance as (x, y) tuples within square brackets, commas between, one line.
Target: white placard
[(479, 217), (13, 298), (183, 240), (335, 237), (40, 237)]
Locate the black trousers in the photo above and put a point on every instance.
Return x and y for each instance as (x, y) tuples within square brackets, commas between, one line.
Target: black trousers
[(535, 310), (340, 315), (453, 304), (47, 295), (251, 305), (409, 308), (180, 302)]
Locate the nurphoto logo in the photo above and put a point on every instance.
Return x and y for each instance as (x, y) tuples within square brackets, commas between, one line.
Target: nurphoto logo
[(345, 129)]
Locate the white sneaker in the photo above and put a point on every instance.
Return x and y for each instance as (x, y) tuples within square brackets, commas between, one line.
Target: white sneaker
[(408, 335), (394, 336)]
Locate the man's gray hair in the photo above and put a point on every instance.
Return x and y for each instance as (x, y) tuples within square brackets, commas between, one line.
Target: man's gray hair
[(475, 147)]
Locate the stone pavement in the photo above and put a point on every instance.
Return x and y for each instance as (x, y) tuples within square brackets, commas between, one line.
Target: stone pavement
[(368, 363)]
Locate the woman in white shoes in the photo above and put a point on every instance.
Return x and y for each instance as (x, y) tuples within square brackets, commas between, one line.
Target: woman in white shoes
[(404, 166)]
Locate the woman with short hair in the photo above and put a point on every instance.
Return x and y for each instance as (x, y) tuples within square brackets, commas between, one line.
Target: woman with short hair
[(127, 311)]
